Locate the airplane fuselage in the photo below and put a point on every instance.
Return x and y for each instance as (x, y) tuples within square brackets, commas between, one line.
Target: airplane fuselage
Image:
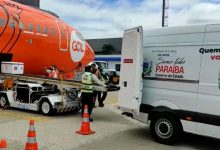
[(39, 40)]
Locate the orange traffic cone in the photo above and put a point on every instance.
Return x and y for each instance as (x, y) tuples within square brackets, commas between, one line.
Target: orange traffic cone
[(3, 144), (31, 144), (85, 127)]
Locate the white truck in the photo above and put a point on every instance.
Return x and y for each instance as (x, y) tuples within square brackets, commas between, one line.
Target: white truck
[(45, 98), (170, 77)]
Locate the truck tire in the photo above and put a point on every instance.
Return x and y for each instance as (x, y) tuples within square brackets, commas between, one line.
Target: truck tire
[(165, 129), (3, 101), (46, 108)]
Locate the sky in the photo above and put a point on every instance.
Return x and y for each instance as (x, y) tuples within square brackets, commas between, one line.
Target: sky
[(109, 18)]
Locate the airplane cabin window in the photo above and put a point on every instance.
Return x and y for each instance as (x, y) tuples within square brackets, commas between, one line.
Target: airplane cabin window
[(12, 24), (2, 22), (21, 25), (80, 36), (52, 31), (38, 28), (45, 30), (30, 26)]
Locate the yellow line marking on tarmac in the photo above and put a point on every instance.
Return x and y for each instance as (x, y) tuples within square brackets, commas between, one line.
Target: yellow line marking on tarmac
[(111, 101), (26, 117)]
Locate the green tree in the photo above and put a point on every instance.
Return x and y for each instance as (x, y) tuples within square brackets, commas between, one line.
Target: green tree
[(107, 48)]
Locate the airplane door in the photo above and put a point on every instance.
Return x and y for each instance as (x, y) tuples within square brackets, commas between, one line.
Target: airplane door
[(63, 36)]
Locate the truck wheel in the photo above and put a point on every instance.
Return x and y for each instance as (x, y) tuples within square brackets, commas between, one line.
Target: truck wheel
[(165, 129), (3, 101), (46, 107)]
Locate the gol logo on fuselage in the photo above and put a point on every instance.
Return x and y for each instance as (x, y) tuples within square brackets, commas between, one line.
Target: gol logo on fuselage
[(77, 47)]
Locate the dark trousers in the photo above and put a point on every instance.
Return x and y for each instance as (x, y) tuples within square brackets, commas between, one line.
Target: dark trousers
[(94, 97), (101, 97), (86, 99)]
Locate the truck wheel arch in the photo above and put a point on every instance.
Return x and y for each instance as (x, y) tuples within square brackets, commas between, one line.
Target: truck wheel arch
[(163, 106), (162, 110)]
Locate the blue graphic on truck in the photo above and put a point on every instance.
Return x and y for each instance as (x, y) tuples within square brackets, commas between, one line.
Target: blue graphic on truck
[(147, 67)]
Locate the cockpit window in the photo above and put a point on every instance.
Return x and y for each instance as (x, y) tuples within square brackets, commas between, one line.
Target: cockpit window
[(12, 24), (79, 36), (21, 25)]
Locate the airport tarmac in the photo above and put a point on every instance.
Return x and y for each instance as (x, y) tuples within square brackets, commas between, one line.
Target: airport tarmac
[(112, 131)]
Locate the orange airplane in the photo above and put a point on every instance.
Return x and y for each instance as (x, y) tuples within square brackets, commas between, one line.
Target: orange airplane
[(39, 40)]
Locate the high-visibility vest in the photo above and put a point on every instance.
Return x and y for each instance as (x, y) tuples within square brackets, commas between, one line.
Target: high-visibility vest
[(87, 85)]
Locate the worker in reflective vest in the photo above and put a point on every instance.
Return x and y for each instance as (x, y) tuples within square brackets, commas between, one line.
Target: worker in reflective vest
[(87, 90), (96, 72), (102, 95)]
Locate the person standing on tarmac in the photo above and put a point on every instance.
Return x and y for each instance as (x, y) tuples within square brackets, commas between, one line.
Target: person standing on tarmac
[(87, 90), (102, 95), (94, 69)]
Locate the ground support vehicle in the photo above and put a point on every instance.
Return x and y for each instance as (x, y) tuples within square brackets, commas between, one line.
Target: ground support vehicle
[(170, 78), (46, 98), (42, 94), (111, 74)]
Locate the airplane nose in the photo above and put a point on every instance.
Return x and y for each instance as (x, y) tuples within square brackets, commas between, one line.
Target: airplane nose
[(90, 53)]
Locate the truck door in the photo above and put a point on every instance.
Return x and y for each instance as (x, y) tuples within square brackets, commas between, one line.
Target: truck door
[(131, 82), (209, 87), (63, 36)]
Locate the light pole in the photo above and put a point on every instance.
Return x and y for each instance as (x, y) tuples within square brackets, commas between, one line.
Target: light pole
[(165, 13)]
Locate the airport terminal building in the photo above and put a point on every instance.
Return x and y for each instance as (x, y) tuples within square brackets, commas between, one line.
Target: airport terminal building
[(108, 49)]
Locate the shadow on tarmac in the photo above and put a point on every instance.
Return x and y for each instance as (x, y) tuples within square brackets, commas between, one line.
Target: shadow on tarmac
[(199, 142), (187, 141)]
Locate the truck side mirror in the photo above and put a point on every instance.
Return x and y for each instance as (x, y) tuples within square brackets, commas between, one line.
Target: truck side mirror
[(117, 67)]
